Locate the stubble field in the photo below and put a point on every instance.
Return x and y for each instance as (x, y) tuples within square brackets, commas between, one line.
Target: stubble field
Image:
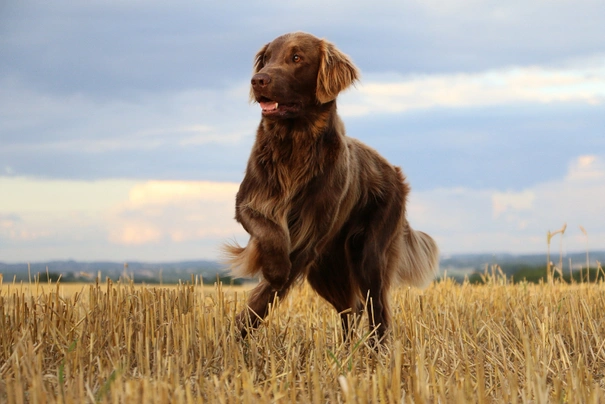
[(118, 342)]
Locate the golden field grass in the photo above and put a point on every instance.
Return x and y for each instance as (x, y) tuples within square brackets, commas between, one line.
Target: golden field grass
[(122, 343)]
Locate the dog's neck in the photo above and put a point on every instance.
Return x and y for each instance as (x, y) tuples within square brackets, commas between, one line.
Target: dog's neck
[(297, 147), (308, 126)]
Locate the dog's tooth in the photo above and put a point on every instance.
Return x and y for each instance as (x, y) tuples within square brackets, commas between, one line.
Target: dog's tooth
[(276, 105)]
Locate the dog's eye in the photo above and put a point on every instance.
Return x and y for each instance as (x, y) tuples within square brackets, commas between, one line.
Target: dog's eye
[(296, 58)]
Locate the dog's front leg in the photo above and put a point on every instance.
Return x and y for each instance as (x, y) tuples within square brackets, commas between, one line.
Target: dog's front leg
[(272, 245)]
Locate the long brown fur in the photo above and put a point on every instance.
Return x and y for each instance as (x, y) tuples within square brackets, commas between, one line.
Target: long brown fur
[(318, 204)]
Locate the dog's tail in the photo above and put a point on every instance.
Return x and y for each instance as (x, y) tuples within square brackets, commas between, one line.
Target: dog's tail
[(242, 261), (418, 258)]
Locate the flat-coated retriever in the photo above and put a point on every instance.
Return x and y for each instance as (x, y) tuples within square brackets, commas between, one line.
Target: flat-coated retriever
[(318, 204)]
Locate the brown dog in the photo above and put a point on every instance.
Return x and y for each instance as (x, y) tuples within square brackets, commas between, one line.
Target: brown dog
[(316, 203)]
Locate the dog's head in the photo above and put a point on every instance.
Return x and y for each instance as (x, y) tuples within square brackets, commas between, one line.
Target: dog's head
[(298, 71)]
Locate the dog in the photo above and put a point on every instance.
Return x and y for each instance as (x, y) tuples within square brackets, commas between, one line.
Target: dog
[(318, 204)]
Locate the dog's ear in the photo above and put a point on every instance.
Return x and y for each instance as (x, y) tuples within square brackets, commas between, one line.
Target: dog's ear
[(259, 59), (257, 65), (336, 73)]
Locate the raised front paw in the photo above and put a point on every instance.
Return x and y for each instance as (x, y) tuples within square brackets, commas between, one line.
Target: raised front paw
[(276, 270)]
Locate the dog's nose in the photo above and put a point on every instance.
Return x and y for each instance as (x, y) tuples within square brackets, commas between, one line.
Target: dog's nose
[(261, 80)]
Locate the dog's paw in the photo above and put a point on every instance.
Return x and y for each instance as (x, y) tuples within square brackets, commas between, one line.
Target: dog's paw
[(244, 323)]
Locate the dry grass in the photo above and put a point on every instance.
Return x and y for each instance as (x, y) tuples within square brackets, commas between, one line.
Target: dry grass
[(451, 343)]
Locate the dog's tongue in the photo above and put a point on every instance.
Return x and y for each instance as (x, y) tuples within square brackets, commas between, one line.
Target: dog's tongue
[(268, 106)]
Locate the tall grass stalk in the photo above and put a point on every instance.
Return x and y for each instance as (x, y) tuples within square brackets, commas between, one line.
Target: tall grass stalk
[(549, 269), (118, 342), (587, 257)]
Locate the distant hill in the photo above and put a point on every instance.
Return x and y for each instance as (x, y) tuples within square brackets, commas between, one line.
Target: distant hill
[(456, 265), (459, 265), (168, 272), (479, 261)]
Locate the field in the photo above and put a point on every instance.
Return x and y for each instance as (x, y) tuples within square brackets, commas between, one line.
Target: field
[(114, 342)]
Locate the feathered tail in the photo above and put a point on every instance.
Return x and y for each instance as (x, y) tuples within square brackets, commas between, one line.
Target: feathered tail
[(242, 261), (418, 258)]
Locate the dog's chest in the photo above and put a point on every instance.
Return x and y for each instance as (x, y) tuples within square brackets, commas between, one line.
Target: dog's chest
[(302, 217), (289, 165)]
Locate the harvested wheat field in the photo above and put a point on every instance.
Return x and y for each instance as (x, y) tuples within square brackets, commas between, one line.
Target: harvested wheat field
[(113, 342)]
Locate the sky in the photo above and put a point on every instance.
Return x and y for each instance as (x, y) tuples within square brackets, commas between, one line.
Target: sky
[(125, 127)]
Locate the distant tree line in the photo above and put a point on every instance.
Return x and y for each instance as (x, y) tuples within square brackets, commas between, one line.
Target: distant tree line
[(45, 277), (537, 274)]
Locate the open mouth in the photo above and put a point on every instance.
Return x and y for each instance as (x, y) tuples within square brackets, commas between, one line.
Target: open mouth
[(271, 107)]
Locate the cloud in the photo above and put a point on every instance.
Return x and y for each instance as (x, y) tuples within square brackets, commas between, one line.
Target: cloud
[(491, 220), (108, 49), (187, 135), (33, 120), (53, 212), (115, 219), (518, 85), (135, 233), (166, 220), (10, 228), (174, 212), (482, 102), (149, 91), (23, 196), (8, 220), (503, 201), (588, 168), (164, 192)]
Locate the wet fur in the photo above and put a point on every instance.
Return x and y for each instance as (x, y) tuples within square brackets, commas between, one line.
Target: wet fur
[(318, 204)]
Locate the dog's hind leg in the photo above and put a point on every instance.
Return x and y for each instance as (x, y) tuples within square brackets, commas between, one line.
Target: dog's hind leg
[(329, 278), (377, 303), (372, 257)]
